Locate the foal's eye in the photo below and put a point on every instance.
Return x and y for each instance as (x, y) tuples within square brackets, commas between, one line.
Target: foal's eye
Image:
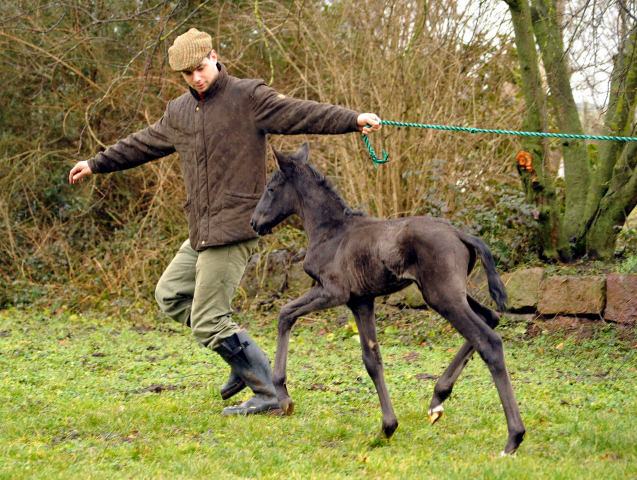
[(270, 189)]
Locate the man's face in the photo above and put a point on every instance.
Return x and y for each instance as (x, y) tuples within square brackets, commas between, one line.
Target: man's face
[(204, 74)]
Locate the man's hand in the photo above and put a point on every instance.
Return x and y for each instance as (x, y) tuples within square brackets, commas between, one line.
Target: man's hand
[(365, 119), (79, 171)]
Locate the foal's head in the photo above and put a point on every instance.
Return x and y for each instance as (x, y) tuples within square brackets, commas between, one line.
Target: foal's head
[(280, 198), (294, 183)]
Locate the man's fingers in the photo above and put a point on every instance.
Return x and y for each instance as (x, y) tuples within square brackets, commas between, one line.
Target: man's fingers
[(72, 174), (374, 121), (80, 170), (370, 119), (76, 174), (80, 175)]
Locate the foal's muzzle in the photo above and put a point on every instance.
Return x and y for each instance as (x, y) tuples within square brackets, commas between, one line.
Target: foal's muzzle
[(260, 229)]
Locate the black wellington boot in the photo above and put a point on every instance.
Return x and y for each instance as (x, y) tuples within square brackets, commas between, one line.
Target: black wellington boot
[(233, 386), (249, 362)]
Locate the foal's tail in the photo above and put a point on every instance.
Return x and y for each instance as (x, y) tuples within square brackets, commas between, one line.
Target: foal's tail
[(496, 286)]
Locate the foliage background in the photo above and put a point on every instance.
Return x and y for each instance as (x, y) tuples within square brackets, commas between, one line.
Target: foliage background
[(78, 75)]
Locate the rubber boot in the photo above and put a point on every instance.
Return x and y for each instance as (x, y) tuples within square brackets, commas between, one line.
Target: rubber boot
[(233, 386), (248, 361)]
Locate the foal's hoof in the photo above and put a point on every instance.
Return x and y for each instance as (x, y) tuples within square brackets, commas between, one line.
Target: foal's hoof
[(384, 435), (512, 445), (388, 430), (287, 405), (435, 414)]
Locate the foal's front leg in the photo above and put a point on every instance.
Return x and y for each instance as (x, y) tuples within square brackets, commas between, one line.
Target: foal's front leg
[(363, 310), (317, 298)]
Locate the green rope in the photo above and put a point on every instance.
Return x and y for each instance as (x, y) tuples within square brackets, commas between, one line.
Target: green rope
[(385, 157)]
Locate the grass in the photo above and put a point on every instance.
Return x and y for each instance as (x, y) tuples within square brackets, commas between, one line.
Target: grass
[(73, 405)]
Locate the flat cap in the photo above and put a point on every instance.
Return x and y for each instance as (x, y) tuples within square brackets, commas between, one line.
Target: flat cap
[(189, 50)]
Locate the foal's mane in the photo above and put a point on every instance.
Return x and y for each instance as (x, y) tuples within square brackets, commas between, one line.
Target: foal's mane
[(326, 185), (329, 187)]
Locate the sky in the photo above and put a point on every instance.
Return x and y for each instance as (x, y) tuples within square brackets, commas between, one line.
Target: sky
[(589, 38)]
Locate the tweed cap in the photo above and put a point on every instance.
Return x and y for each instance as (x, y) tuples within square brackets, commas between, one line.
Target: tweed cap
[(189, 50)]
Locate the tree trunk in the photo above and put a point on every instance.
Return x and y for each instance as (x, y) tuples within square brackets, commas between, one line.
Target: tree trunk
[(618, 121), (577, 172), (614, 208), (614, 186), (538, 184)]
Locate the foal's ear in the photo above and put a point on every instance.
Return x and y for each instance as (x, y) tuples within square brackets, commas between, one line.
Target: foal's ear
[(303, 153), (282, 162)]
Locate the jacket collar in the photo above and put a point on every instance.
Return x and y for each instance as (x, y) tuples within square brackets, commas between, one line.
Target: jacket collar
[(215, 88)]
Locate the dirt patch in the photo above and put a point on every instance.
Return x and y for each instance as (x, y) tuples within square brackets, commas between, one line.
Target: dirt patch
[(142, 329), (158, 388), (426, 376), (411, 357), (582, 328)]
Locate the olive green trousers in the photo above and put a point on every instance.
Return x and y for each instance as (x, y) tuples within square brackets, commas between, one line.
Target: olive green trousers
[(197, 289)]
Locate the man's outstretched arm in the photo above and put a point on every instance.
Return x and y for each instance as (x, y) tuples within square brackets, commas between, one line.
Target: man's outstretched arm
[(138, 148), (275, 113)]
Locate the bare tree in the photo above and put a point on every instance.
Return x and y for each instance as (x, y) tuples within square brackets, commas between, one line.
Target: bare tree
[(600, 187)]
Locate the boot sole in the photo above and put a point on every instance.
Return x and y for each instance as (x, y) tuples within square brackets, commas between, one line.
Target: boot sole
[(233, 411)]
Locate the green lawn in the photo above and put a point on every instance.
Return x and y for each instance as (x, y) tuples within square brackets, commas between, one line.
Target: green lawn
[(73, 405)]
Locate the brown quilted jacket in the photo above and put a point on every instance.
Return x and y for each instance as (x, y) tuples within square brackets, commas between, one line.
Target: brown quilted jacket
[(221, 141)]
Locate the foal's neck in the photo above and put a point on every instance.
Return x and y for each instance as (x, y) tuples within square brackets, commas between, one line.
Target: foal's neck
[(321, 210)]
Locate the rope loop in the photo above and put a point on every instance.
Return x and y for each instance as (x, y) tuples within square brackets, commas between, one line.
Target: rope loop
[(377, 161)]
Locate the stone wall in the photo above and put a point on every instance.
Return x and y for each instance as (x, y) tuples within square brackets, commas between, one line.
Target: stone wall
[(613, 296)]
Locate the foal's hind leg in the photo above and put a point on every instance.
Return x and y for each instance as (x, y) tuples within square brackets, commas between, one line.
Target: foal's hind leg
[(489, 345), (363, 310), (445, 383)]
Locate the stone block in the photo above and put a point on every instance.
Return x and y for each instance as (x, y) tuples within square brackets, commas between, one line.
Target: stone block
[(572, 295), (409, 297), (276, 272), (298, 281), (477, 286), (621, 298), (523, 288), (264, 273)]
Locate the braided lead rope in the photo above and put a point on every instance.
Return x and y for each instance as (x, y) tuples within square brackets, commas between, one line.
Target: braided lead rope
[(385, 157)]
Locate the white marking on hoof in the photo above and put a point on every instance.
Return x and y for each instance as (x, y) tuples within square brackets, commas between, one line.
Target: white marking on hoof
[(437, 409), (510, 454), (435, 414)]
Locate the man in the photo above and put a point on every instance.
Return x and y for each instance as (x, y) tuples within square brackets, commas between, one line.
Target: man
[(219, 129)]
